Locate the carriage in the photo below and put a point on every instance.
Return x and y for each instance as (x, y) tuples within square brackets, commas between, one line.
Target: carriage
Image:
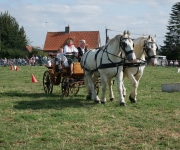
[(70, 84)]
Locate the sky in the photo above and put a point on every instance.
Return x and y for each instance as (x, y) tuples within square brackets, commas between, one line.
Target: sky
[(140, 17)]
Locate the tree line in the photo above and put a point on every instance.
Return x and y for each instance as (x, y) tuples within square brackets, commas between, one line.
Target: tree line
[(13, 39), (171, 47)]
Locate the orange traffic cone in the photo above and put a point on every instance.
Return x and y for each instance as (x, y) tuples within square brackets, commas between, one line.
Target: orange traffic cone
[(33, 79), (17, 68), (12, 68)]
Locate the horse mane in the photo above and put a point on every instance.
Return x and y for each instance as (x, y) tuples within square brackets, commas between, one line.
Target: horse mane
[(141, 39), (111, 41), (116, 38)]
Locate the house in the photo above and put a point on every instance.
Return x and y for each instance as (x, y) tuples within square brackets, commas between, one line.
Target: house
[(29, 48), (54, 40)]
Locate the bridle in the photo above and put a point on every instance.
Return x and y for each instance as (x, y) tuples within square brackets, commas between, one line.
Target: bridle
[(123, 45), (147, 49)]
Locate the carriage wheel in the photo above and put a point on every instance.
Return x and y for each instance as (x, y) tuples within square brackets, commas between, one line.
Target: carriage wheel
[(47, 84), (96, 87), (65, 87), (74, 88)]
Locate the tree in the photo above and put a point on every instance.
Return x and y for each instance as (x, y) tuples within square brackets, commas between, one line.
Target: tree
[(171, 46), (11, 35)]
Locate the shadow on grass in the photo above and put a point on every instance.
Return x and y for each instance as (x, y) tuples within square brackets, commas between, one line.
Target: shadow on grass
[(52, 104), (48, 101), (35, 95)]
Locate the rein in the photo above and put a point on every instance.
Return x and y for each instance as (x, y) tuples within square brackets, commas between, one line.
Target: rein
[(136, 64)]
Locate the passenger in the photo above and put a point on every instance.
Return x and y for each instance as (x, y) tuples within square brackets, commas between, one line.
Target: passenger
[(71, 52), (81, 49), (60, 60)]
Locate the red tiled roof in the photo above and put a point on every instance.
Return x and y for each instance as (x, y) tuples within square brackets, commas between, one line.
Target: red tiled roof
[(29, 48), (54, 40)]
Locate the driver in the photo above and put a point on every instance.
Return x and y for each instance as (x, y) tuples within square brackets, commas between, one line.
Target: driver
[(71, 52)]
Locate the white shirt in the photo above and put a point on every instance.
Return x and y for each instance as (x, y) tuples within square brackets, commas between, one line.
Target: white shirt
[(83, 50), (62, 58), (49, 63), (70, 49)]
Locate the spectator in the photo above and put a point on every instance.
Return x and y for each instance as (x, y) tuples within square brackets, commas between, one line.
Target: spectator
[(33, 60), (45, 60), (5, 62), (176, 63), (81, 49), (19, 61), (171, 63), (40, 60), (37, 60)]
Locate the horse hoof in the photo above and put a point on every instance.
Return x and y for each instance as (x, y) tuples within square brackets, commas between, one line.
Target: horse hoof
[(111, 99), (122, 104), (132, 99), (96, 101), (88, 97), (103, 102)]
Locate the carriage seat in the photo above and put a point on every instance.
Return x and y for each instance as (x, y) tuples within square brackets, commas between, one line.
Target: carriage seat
[(77, 70)]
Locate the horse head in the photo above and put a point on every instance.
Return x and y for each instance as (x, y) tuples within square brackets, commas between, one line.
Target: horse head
[(150, 49), (127, 45)]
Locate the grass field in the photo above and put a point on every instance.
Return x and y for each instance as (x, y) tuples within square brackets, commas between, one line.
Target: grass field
[(32, 120)]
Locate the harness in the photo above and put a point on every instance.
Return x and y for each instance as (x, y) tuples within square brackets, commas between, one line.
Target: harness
[(111, 64), (143, 62)]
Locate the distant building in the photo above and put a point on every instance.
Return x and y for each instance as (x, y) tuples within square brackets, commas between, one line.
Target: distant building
[(161, 60), (54, 40), (29, 48)]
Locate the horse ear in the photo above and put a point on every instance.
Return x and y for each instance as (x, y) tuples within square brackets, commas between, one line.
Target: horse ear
[(128, 32), (149, 37), (125, 32)]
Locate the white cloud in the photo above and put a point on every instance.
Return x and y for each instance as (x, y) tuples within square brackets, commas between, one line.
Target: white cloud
[(139, 16)]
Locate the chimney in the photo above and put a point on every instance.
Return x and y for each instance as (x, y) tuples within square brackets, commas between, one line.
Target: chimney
[(67, 29)]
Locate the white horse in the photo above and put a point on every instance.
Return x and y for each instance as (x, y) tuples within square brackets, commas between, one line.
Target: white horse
[(107, 62), (144, 46)]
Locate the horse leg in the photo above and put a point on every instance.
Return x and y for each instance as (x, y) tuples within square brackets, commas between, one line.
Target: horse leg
[(91, 86), (133, 94), (103, 83), (89, 94), (119, 77), (123, 87), (111, 94), (137, 77)]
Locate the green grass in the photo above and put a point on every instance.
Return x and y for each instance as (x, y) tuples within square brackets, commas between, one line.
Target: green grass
[(30, 119)]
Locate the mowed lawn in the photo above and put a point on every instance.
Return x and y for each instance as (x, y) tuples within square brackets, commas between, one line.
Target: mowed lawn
[(32, 120)]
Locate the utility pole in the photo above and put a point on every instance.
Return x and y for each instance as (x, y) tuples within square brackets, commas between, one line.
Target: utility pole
[(107, 37)]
